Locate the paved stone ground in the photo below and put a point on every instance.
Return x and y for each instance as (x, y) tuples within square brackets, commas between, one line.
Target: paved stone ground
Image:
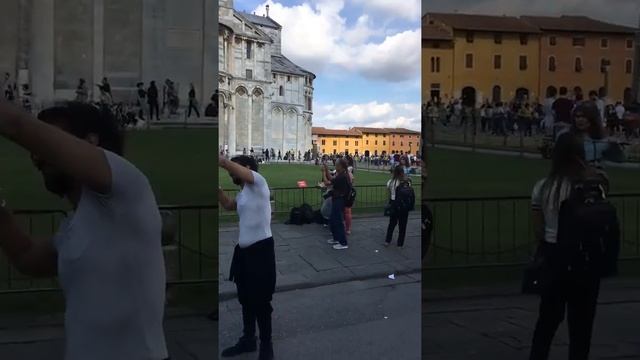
[(494, 327), (369, 319), (305, 260), (189, 337)]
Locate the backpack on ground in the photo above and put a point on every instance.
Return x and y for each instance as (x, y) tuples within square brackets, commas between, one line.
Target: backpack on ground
[(405, 197), (295, 216), (307, 213), (588, 229)]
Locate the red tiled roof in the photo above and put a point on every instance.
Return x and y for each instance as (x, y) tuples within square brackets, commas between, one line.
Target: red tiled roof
[(576, 24), (435, 32), (482, 23), (334, 132), (369, 130)]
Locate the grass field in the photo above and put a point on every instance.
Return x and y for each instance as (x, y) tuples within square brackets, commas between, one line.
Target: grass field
[(498, 232), (283, 178), (180, 165)]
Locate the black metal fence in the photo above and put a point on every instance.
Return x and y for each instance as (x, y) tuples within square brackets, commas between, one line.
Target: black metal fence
[(191, 258), (497, 231), (368, 198)]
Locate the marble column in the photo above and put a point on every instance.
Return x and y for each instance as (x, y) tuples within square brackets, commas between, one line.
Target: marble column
[(98, 48), (232, 127), (41, 52)]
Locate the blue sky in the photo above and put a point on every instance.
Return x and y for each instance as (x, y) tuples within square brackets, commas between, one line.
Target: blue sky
[(365, 54)]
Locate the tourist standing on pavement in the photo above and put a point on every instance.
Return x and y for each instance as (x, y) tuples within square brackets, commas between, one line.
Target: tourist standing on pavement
[(398, 215), (105, 92), (341, 187), (142, 101), (152, 96), (193, 102), (82, 93), (253, 267), (587, 126), (575, 245), (107, 253), (562, 108), (348, 215)]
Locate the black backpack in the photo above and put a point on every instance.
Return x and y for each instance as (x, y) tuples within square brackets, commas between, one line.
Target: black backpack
[(295, 216), (351, 197), (588, 229), (405, 197), (307, 213)]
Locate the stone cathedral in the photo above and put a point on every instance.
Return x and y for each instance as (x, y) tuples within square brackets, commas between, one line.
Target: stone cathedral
[(265, 99)]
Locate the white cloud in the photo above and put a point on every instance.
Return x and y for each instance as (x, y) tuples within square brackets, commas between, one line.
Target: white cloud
[(372, 114), (407, 9), (319, 38)]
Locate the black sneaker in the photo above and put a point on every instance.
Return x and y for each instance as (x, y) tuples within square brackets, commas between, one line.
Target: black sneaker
[(244, 345), (266, 351)]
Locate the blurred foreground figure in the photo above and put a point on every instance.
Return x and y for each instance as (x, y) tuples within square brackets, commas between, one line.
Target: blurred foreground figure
[(107, 253)]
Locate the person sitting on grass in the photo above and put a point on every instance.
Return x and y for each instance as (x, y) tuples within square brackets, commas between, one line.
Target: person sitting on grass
[(107, 254)]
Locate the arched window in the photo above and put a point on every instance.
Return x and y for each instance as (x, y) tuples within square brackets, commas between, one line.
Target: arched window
[(578, 65), (281, 91), (552, 64)]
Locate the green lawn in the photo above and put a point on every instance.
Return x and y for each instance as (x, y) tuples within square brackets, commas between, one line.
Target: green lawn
[(498, 232), (283, 178), (180, 165)]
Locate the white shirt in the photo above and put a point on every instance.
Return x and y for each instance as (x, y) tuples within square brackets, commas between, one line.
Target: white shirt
[(392, 185), (544, 202), (254, 209), (111, 269), (620, 112)]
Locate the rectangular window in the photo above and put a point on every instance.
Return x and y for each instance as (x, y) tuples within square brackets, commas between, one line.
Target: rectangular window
[(323, 142), (346, 143), (523, 63), (553, 41), (524, 39), (628, 66), (249, 49), (384, 143), (579, 41), (393, 143), (470, 37), (356, 143), (497, 38), (249, 74), (401, 144), (335, 143), (468, 61), (497, 62), (376, 142), (629, 43), (288, 78), (367, 142), (604, 43)]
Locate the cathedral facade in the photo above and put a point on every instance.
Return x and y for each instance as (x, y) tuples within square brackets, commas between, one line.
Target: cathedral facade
[(266, 101)]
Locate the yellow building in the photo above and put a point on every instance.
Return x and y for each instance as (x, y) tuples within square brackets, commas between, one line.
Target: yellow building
[(365, 140), (329, 141), (584, 54), (494, 58), (437, 63), (500, 58)]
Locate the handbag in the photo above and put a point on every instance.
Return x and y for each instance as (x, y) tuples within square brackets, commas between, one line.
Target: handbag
[(389, 209), (533, 273)]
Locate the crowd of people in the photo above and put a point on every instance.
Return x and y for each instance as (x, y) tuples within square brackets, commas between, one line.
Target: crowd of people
[(529, 118)]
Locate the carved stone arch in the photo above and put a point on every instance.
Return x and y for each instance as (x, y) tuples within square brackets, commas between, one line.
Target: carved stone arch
[(241, 91), (257, 92)]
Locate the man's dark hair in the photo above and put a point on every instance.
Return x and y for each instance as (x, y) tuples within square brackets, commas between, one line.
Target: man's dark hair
[(81, 119), (563, 91), (593, 93), (245, 160)]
